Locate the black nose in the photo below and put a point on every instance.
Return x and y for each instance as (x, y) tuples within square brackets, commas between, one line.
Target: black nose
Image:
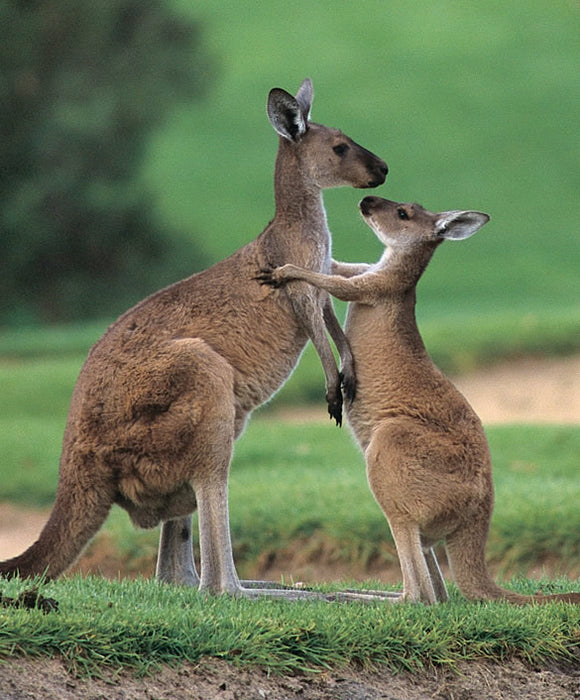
[(380, 175), (366, 205)]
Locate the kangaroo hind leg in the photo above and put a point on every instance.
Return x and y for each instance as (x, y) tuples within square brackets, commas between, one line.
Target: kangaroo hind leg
[(395, 484), (417, 584), (175, 562), (185, 455), (435, 573)]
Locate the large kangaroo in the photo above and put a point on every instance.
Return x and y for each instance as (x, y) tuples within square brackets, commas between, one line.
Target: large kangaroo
[(165, 392), (428, 461)]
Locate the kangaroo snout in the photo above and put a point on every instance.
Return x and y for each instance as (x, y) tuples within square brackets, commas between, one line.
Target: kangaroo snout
[(380, 174), (369, 204)]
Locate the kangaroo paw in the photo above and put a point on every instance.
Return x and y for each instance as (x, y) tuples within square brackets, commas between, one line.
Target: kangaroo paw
[(265, 276), (335, 406), (348, 382)]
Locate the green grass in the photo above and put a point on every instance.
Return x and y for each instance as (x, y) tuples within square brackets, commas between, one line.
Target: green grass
[(42, 342), (141, 624), (289, 483), (305, 483), (297, 483)]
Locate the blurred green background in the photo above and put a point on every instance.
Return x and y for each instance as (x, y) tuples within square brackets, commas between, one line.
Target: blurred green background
[(135, 150), (472, 105)]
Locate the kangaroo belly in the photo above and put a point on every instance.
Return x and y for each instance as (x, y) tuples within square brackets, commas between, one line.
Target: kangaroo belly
[(396, 377), (265, 357)]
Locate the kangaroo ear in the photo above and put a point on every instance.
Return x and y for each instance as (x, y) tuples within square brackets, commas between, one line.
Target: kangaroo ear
[(457, 225), (285, 113), (304, 97)]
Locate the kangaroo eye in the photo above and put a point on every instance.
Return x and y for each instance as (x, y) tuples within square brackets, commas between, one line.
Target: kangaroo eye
[(402, 214), (341, 149)]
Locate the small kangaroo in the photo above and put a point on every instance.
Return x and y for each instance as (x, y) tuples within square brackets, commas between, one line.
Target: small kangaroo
[(428, 462), (165, 392)]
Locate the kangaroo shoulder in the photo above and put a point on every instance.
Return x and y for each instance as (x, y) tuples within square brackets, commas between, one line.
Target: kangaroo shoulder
[(374, 285)]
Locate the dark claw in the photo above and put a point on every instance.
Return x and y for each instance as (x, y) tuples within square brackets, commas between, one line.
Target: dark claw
[(264, 276), (348, 387), (335, 408)]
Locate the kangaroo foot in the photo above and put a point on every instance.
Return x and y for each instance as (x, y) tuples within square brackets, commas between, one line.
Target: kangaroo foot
[(273, 585), (362, 596)]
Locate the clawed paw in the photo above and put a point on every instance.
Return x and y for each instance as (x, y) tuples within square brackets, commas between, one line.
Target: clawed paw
[(335, 407), (348, 383), (266, 276)]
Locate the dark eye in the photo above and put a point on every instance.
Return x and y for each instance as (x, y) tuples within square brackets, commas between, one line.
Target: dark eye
[(341, 149), (402, 214)]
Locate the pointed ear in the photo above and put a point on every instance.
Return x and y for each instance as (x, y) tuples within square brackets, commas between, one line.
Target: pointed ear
[(304, 97), (457, 225), (285, 114)]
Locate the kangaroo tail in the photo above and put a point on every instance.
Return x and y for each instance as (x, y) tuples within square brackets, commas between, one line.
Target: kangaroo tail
[(539, 599), (79, 511), (554, 598), (465, 551)]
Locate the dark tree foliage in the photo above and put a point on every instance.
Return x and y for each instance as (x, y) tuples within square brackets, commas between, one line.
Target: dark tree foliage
[(82, 85)]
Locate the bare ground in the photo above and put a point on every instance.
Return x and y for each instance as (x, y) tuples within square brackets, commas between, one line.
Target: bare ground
[(218, 680), (527, 391)]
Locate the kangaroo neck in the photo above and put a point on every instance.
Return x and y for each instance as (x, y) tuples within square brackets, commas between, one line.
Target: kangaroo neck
[(298, 200), (400, 324), (394, 315)]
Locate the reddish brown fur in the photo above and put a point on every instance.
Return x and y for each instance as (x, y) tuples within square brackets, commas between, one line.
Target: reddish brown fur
[(168, 388), (428, 461)]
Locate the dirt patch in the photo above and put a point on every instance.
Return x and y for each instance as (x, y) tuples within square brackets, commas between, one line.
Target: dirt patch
[(217, 680), (314, 559), (525, 391), (529, 390), (19, 528)]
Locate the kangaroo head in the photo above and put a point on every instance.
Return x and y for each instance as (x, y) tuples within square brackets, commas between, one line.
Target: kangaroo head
[(400, 226), (326, 156)]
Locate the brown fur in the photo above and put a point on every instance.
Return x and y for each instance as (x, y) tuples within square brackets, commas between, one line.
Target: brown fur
[(169, 387), (428, 462)]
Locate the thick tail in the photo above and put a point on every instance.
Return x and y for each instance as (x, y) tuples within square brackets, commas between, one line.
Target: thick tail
[(466, 555), (79, 511)]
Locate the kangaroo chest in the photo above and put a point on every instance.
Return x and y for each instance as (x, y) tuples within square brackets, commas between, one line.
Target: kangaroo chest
[(395, 375)]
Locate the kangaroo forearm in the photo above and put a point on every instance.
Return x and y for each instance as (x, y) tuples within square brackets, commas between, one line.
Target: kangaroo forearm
[(335, 329), (343, 346), (312, 319), (348, 269), (340, 287), (314, 323)]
